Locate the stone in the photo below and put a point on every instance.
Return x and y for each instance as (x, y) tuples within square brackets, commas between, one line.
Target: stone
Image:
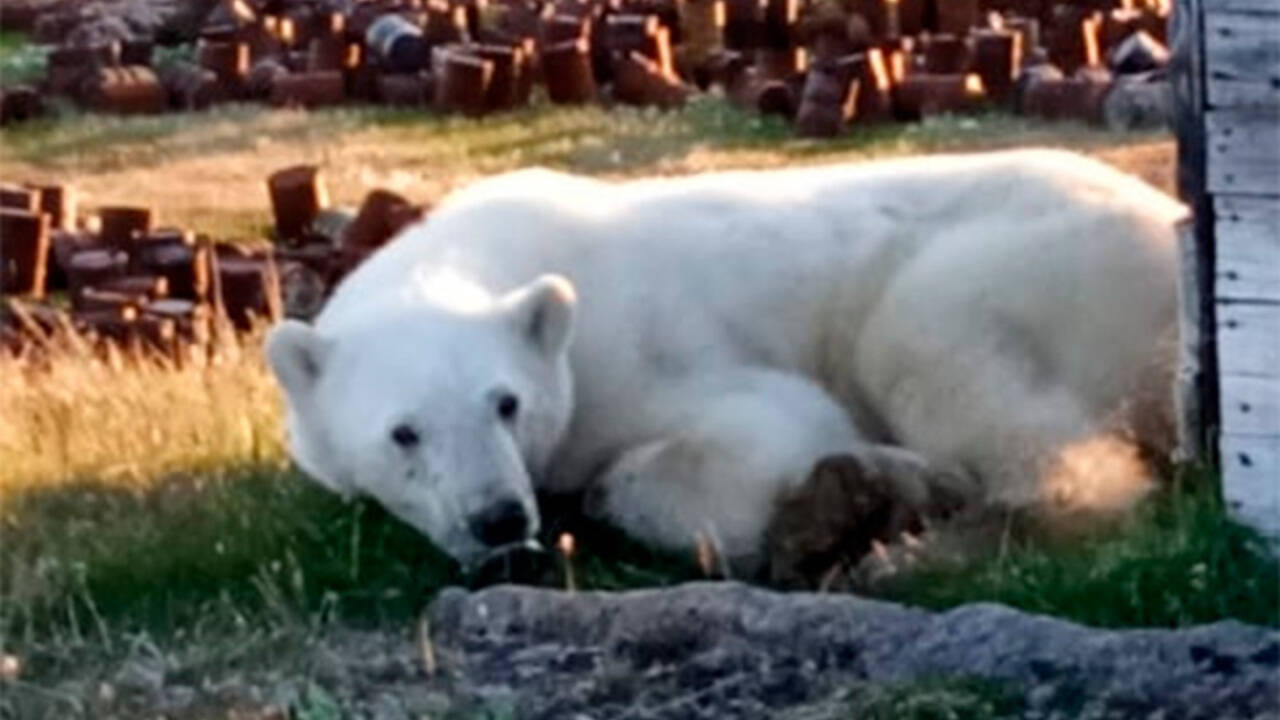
[(726, 650)]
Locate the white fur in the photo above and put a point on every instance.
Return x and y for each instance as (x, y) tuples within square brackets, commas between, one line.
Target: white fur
[(987, 312)]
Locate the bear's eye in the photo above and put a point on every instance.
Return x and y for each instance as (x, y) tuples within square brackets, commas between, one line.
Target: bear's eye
[(508, 406), (404, 436)]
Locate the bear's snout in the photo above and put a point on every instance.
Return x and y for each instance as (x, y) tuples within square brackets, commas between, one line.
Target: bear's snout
[(504, 522)]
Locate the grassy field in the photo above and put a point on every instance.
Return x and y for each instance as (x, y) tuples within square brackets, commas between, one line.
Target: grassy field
[(146, 506)]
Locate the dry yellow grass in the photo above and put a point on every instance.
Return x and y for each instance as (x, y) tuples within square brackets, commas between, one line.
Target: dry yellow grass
[(208, 170), (77, 414)]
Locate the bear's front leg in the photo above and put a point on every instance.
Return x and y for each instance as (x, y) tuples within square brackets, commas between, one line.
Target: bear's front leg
[(849, 501), (712, 468)]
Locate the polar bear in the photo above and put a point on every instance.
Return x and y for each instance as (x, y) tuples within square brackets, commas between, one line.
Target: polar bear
[(683, 350)]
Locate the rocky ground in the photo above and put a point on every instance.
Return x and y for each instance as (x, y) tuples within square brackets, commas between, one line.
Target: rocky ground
[(725, 650)]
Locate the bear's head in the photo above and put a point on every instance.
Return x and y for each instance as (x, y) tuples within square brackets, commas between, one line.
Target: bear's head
[(442, 414)]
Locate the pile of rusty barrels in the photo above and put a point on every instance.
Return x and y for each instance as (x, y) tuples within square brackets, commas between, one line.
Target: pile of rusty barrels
[(318, 244), (118, 276), (821, 63)]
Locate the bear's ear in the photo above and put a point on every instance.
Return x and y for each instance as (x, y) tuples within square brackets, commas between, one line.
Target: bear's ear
[(296, 354), (543, 311)]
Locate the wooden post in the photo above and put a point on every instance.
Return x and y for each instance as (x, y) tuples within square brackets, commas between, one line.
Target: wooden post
[(1226, 58), (1190, 380), (1197, 386)]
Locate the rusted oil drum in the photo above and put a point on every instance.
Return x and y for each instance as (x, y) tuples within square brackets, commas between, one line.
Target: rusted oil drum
[(298, 193), (945, 54), (638, 80), (87, 268), (462, 81), (826, 103), (230, 61), (24, 252), (397, 44), (131, 90), (150, 287), (263, 77), (566, 70), (191, 87), (249, 289), (508, 67), (122, 225), (406, 89), (309, 90), (997, 55)]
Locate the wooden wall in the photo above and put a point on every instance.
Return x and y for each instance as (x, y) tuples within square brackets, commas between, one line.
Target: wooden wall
[(1227, 80)]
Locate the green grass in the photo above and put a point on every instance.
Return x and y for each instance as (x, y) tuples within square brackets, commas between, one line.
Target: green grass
[(1179, 562), (20, 61), (939, 699)]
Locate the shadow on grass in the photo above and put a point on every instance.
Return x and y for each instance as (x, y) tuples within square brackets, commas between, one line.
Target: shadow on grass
[(1181, 561), (249, 542), (86, 561)]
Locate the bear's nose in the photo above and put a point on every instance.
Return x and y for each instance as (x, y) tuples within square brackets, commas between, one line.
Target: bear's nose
[(502, 523)]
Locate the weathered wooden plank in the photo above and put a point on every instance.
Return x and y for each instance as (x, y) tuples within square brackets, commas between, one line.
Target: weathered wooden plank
[(1186, 76), (1256, 6), (1242, 59), (1248, 252), (1249, 339), (1197, 382), (1243, 154), (1192, 334), (1260, 211), (1250, 405), (1251, 480)]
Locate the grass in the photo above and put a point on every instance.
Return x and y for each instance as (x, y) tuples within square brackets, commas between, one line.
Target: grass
[(20, 61), (954, 698), (207, 170), (1179, 562), (143, 503)]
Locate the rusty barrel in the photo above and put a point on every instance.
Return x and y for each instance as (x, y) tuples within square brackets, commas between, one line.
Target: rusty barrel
[(191, 87), (67, 67), (131, 90), (923, 94), (509, 68), (567, 72), (229, 60), (24, 252), (309, 90), (183, 262), (17, 197), (60, 202), (248, 288), (406, 89), (263, 76), (945, 54), (827, 101), (446, 23), (638, 80), (397, 44), (122, 225), (462, 81), (997, 55), (90, 267), (298, 194)]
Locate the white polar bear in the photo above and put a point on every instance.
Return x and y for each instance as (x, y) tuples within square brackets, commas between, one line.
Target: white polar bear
[(687, 348)]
